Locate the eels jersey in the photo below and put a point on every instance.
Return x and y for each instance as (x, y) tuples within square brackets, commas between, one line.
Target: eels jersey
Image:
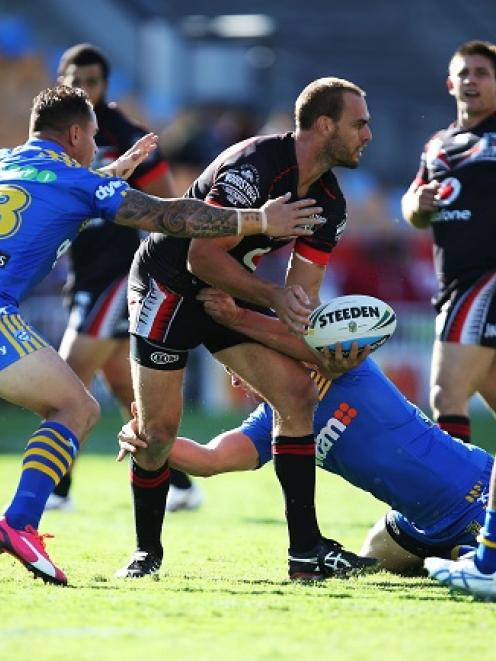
[(45, 197), (370, 434)]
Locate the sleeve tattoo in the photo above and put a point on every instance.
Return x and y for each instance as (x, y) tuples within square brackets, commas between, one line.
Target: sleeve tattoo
[(180, 217)]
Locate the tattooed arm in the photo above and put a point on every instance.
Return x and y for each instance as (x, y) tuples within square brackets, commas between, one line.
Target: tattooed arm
[(187, 218)]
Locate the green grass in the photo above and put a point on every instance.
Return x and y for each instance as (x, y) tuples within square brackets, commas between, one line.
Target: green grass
[(223, 592)]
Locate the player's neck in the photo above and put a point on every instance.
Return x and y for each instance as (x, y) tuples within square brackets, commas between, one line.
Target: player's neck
[(468, 121), (310, 166)]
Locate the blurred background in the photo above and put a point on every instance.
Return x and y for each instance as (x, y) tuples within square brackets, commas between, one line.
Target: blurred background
[(205, 75)]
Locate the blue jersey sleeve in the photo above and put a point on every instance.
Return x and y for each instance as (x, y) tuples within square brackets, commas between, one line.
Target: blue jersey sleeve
[(258, 428), (106, 194)]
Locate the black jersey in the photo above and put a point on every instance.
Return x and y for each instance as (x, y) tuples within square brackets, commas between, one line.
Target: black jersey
[(246, 175), (103, 251), (464, 162)]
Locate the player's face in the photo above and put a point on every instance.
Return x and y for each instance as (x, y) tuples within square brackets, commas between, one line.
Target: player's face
[(84, 146), (88, 78), (351, 133), (472, 81)]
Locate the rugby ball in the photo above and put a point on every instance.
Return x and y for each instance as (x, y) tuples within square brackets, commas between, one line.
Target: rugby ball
[(347, 319)]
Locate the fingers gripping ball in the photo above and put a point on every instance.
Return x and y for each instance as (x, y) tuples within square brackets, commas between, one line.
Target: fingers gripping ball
[(362, 319)]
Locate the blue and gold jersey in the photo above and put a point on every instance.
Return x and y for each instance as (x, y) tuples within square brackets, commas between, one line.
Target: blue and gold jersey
[(45, 197), (370, 434)]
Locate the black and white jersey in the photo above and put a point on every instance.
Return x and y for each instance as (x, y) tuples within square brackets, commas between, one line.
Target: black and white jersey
[(464, 226), (246, 175)]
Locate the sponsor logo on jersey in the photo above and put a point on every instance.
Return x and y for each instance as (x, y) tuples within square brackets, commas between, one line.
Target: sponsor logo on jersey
[(29, 173), (109, 189), (344, 314), (162, 358), (448, 215), (4, 258), (448, 191), (241, 184), (332, 430), (251, 259), (3, 350), (341, 228)]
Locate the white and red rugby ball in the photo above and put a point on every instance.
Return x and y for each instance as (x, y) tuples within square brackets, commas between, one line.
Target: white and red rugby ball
[(347, 319)]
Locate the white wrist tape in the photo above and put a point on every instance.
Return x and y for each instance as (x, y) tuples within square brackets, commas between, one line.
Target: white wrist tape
[(240, 222), (264, 220)]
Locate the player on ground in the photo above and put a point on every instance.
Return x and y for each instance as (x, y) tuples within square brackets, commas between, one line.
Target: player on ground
[(367, 432), (166, 320), (96, 337), (454, 193), (46, 194)]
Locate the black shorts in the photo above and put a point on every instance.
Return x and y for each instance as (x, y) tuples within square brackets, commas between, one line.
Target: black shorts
[(165, 326), (100, 312), (469, 315)]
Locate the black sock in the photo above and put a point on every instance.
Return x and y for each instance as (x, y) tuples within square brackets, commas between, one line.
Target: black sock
[(179, 479), (63, 487), (149, 490), (456, 425), (294, 462)]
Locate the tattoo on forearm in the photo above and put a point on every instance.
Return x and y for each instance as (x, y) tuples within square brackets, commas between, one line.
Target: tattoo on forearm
[(179, 217)]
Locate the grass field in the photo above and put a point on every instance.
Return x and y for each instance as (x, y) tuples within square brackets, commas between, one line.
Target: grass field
[(223, 592)]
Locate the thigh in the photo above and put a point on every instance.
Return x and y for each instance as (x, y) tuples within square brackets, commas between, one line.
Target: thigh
[(41, 382), (460, 368), (85, 354), (380, 544), (487, 389), (283, 382), (117, 372)]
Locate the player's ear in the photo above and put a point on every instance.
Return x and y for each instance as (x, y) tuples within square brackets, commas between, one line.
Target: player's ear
[(324, 124), (450, 86), (74, 134)]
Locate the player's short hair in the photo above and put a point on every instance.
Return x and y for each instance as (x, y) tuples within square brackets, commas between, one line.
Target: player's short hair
[(57, 108), (323, 96), (476, 47), (82, 55)]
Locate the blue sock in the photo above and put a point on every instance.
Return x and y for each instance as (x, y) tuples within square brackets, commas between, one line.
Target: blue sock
[(48, 456), (485, 558)]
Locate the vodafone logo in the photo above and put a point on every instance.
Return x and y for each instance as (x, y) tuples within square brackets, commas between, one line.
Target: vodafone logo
[(448, 191)]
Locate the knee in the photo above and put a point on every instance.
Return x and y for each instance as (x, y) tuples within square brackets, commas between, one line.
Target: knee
[(302, 396), (159, 436)]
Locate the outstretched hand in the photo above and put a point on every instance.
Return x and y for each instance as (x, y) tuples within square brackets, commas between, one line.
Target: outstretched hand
[(284, 218), (125, 165), (129, 441)]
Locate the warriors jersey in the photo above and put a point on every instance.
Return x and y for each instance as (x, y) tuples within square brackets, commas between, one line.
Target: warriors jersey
[(245, 176), (367, 432), (45, 196), (104, 251), (464, 226)]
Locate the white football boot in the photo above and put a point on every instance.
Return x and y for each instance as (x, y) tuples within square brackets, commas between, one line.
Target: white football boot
[(462, 575)]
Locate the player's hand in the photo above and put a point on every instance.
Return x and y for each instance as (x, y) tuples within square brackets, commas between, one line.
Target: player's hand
[(332, 364), (427, 199), (220, 306), (126, 164), (129, 441), (298, 218), (293, 307)]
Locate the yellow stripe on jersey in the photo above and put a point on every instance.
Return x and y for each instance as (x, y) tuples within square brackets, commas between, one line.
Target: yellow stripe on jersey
[(48, 441), (7, 330), (48, 455), (38, 338), (18, 323), (37, 465), (323, 384)]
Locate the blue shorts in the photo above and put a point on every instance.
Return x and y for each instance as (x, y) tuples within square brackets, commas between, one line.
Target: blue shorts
[(461, 526), (17, 338)]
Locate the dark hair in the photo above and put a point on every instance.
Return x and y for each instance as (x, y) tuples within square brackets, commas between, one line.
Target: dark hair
[(83, 55), (484, 48), (323, 96), (57, 108)]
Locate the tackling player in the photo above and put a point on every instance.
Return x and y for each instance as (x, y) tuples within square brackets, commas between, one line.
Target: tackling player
[(46, 194), (96, 337), (367, 432), (166, 320)]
